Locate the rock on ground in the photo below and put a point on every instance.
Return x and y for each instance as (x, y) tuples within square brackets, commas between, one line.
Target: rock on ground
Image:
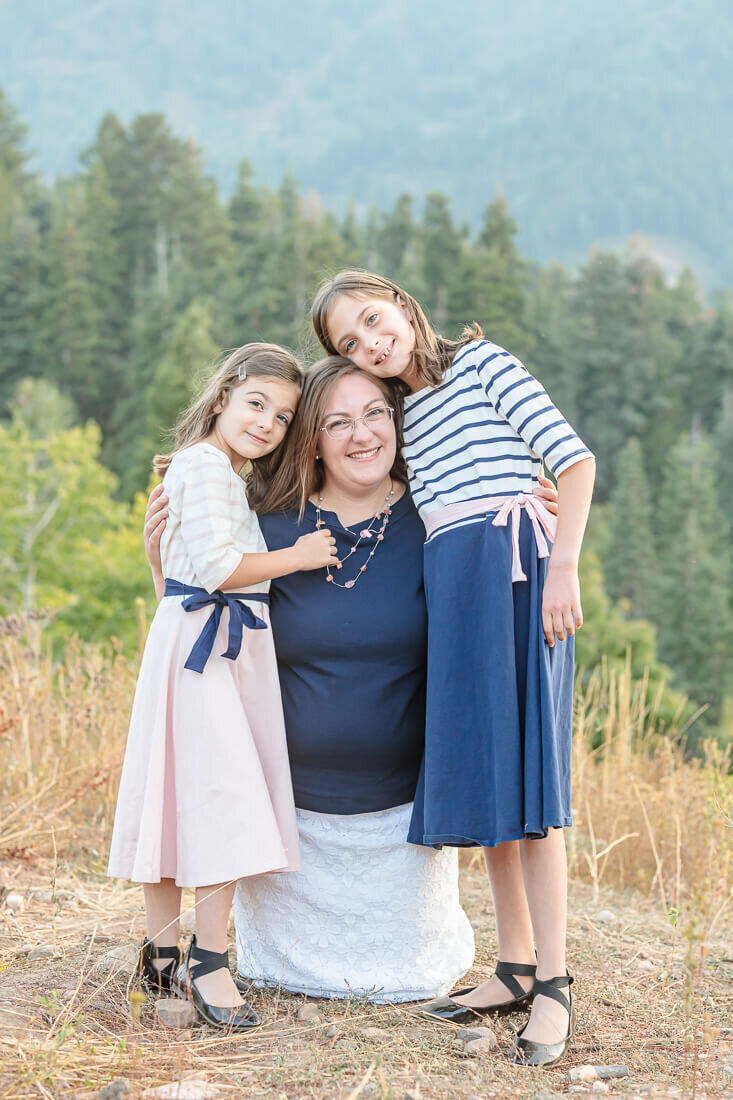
[(377, 1033), (468, 1033), (308, 1013), (175, 1013), (120, 960), (477, 1047), (119, 1089)]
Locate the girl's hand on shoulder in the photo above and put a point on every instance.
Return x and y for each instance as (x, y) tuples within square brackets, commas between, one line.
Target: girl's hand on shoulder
[(548, 492), (562, 613), (317, 550), (154, 526)]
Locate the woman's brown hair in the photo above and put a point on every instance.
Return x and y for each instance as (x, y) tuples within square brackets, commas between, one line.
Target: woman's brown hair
[(433, 354), (299, 475), (197, 422)]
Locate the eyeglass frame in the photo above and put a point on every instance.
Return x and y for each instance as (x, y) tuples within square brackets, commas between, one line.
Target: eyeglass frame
[(359, 419)]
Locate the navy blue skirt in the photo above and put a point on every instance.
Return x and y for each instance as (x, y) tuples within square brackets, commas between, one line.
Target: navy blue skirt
[(499, 699)]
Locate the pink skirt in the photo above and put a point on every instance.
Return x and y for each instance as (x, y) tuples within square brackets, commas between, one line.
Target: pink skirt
[(205, 795)]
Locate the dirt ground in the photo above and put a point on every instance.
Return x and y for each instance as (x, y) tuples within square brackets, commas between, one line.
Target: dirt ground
[(649, 995)]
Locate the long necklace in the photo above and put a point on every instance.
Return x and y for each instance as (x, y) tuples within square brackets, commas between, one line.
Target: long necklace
[(367, 532)]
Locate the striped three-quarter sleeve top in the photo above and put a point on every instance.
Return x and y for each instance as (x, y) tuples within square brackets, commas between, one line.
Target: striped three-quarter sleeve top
[(210, 525), (484, 431)]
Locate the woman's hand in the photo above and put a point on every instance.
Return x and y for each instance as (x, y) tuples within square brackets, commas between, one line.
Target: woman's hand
[(155, 518), (548, 492)]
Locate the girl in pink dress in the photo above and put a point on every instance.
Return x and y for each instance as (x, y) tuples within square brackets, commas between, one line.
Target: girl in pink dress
[(205, 795)]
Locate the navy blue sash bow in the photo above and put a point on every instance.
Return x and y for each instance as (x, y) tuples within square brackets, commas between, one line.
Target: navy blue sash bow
[(239, 616)]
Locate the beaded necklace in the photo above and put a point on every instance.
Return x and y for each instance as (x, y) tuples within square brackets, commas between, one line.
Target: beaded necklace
[(366, 532)]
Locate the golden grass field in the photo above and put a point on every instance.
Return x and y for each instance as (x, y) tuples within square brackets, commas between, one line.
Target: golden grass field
[(652, 844)]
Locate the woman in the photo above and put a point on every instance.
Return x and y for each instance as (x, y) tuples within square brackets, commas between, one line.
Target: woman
[(369, 914)]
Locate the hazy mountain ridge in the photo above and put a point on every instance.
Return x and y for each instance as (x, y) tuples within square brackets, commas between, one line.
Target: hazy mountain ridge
[(598, 120)]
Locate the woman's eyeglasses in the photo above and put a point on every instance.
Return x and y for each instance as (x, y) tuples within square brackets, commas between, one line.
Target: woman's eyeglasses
[(342, 426)]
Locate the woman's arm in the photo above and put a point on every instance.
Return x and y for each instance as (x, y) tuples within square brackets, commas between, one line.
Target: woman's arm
[(154, 526), (562, 613)]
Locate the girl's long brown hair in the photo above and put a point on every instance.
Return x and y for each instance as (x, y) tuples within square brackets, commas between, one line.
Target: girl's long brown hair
[(197, 422), (433, 354), (299, 475)]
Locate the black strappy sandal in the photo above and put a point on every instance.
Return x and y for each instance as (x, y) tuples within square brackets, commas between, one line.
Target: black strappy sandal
[(235, 1018), (529, 1053), (156, 979), (449, 1011)]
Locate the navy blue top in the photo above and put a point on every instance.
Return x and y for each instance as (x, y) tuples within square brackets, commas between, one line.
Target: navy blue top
[(352, 665)]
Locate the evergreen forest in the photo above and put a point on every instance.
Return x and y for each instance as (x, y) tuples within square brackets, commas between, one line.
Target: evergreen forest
[(122, 282)]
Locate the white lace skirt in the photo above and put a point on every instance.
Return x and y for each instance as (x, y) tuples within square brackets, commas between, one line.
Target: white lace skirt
[(368, 915)]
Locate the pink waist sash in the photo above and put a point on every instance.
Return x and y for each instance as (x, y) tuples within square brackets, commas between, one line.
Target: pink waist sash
[(543, 521)]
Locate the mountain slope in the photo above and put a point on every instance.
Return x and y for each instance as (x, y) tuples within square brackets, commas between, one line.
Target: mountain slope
[(598, 120)]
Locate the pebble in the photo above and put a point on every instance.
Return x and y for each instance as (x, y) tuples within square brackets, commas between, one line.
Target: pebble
[(467, 1033), (193, 1089), (606, 916), (600, 1086), (347, 1044), (377, 1033), (645, 964), (119, 1089), (583, 1074), (331, 1032), (15, 903), (44, 896), (187, 922), (45, 951), (458, 1044), (24, 949), (309, 1013), (612, 1071), (476, 1047), (96, 937), (120, 960), (174, 1012)]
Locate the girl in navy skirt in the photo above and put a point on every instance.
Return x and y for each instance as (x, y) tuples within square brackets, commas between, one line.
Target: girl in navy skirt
[(501, 581)]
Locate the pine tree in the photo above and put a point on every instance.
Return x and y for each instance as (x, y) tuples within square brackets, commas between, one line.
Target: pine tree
[(610, 386), (441, 245), (21, 203), (629, 563), (396, 233), (69, 330), (693, 592), (190, 355)]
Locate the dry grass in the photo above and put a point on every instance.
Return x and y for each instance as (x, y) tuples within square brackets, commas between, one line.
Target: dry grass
[(652, 841)]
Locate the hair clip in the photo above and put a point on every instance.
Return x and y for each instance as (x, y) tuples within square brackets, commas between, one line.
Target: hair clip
[(241, 372)]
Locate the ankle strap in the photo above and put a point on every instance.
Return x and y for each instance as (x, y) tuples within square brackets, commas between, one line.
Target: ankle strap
[(161, 952), (206, 961), (552, 987), (506, 972)]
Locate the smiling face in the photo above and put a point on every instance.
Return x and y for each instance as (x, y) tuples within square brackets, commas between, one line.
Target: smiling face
[(254, 418), (362, 459), (375, 333)]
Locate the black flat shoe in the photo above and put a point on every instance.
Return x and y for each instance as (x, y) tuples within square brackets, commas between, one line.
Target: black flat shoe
[(198, 963), (447, 1010), (156, 979), (528, 1053)]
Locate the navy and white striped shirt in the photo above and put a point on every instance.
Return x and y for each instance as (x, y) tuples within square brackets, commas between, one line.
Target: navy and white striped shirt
[(484, 431)]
